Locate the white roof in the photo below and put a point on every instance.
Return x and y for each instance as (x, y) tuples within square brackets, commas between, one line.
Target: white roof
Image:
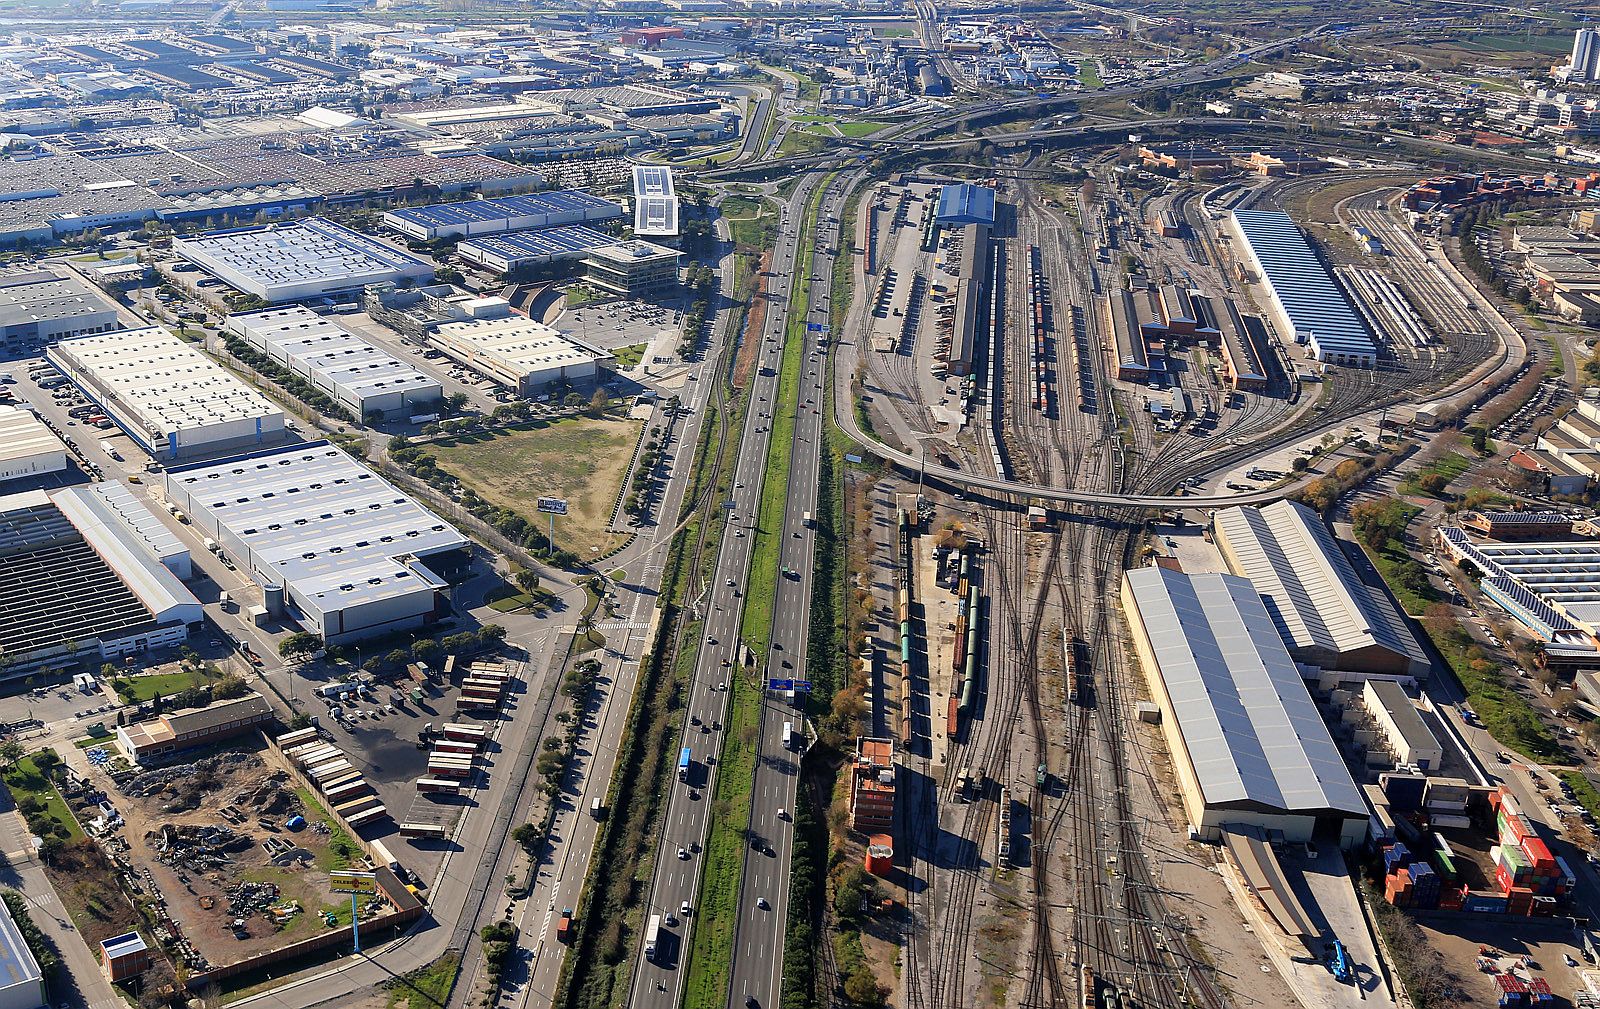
[(165, 383), (515, 343), (327, 351), (1316, 599), (655, 203), (1251, 730), (23, 435), (326, 526), (268, 259), (118, 528)]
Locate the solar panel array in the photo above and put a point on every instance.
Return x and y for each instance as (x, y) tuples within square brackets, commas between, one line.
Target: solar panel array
[(562, 206), (1252, 733), (1311, 299), (655, 203), (510, 251)]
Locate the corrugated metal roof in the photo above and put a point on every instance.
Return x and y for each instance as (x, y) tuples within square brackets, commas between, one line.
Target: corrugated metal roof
[(965, 203), (1253, 735), (1317, 600), (1310, 297)]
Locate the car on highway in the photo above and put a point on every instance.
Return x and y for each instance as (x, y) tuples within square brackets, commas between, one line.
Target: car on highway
[(683, 853), (683, 909), (761, 902)]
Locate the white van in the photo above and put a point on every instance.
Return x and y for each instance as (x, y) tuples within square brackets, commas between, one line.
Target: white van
[(788, 734)]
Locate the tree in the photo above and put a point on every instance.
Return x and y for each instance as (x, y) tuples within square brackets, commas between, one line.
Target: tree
[(455, 402), (527, 579), (228, 687), (572, 400), (597, 403), (45, 759), (299, 646), (10, 752), (528, 836), (862, 987)]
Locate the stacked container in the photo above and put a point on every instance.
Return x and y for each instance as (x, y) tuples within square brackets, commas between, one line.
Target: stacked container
[(1513, 990), (1397, 888), (1424, 886)]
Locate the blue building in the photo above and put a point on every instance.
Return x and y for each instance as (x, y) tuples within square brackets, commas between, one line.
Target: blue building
[(966, 204)]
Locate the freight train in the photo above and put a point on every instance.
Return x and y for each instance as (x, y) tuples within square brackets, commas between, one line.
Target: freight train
[(903, 615)]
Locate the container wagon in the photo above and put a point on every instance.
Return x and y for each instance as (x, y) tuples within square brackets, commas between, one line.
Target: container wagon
[(411, 829)]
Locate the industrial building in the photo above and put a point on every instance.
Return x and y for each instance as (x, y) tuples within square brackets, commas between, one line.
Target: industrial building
[(971, 282), (28, 448), (633, 269), (519, 353), (124, 956), (505, 213), (1524, 525), (1326, 614), (21, 980), (330, 541), (1306, 302), (352, 372), (1551, 588), (313, 258), (81, 571), (1405, 734), (1131, 356), (1244, 355), (964, 203), (38, 308), (168, 735), (872, 787), (1249, 747), (172, 400), (520, 250), (655, 202)]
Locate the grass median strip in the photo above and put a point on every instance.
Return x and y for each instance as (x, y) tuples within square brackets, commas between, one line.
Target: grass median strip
[(710, 951)]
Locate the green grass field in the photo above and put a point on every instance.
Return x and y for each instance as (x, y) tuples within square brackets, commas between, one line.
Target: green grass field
[(24, 779), (1449, 466), (1517, 43), (1089, 75), (801, 142), (582, 459), (629, 356), (143, 688)]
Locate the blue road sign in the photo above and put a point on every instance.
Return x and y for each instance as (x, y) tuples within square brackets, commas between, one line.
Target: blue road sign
[(802, 686), (775, 684)]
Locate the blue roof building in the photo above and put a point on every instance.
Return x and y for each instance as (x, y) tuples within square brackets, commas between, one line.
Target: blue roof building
[(1305, 301), (506, 213), (966, 204)]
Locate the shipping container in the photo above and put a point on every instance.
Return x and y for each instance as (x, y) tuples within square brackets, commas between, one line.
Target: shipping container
[(454, 746), (463, 731), (438, 785), (371, 815), (347, 791), (296, 738)]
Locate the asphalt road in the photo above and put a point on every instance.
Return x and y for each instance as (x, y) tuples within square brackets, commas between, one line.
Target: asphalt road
[(757, 956), (658, 983)]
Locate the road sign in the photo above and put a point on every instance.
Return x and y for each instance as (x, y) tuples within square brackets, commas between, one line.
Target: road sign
[(776, 684), (802, 686), (552, 505), (353, 882)]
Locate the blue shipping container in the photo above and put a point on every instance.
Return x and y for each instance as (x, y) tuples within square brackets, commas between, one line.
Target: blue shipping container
[(1484, 904)]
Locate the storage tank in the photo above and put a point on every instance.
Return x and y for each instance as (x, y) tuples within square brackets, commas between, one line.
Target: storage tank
[(880, 854), (272, 599)]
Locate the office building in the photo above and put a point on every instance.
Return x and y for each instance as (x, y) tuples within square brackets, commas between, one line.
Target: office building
[(1584, 66), (172, 400), (1249, 747), (633, 269), (517, 352), (21, 981), (168, 735), (519, 250), (332, 543)]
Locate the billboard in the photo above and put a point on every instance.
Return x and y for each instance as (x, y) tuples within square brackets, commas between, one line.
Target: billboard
[(353, 882), (553, 505)]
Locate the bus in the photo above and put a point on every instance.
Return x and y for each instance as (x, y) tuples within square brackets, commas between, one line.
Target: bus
[(683, 764)]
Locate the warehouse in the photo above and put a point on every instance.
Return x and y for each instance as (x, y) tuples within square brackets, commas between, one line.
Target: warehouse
[(1248, 744), (359, 377), (655, 203), (314, 258), (21, 980), (331, 542), (963, 203), (27, 447), (172, 400), (633, 269), (1405, 734), (38, 308), (1305, 301), (1131, 356), (524, 249), (517, 352), (1552, 588), (505, 213), (1244, 359), (78, 573), (1327, 615), (971, 284)]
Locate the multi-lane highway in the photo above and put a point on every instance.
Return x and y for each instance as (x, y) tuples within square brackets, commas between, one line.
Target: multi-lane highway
[(658, 981)]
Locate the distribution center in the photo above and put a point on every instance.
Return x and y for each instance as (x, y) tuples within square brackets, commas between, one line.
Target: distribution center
[(361, 378), (307, 259), (1307, 304), (505, 213), (330, 541), (172, 400)]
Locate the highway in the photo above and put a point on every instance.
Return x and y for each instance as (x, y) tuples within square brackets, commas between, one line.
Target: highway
[(658, 983)]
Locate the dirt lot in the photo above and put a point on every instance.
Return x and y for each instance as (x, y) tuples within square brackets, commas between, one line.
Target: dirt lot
[(1544, 939), (202, 831)]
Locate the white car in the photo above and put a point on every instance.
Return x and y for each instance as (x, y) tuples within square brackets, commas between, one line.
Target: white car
[(683, 909), (683, 853)]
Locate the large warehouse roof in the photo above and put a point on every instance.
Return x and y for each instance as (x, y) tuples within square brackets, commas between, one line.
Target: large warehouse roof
[(965, 203), (165, 384), (356, 374), (1563, 575), (509, 251), (514, 346), (1312, 300), (1252, 733), (655, 203), (23, 436), (282, 262), (1324, 611), (330, 529), (563, 203)]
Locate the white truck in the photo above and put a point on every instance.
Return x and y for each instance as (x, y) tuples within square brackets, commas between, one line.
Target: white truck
[(110, 450), (651, 934), (384, 858)]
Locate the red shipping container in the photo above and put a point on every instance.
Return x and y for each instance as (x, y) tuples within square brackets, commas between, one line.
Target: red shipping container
[(1522, 828), (1502, 878), (1544, 863)]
